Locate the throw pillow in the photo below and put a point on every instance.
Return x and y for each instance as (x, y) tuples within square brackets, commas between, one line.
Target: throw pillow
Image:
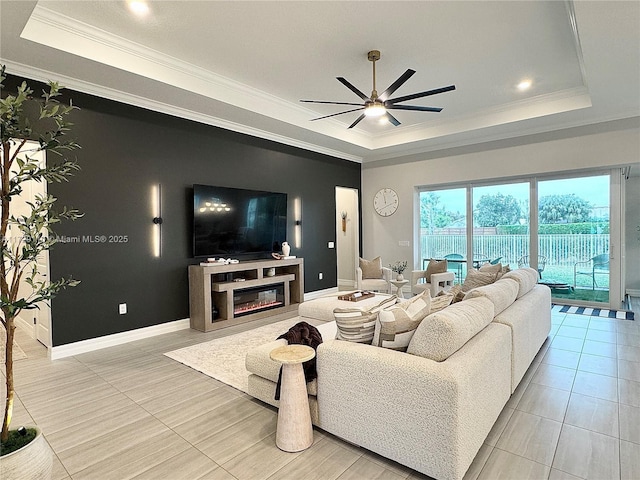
[(396, 325), (435, 266), (356, 324), (487, 267), (457, 292), (498, 268), (476, 278), (442, 300), (371, 268)]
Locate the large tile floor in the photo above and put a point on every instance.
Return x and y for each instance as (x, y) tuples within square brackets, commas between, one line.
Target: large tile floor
[(130, 412)]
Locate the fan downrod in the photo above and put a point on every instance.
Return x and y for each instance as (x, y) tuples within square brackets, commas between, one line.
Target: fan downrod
[(373, 56)]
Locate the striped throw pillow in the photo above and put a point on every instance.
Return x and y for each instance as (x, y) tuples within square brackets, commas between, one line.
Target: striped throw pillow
[(357, 324), (396, 325)]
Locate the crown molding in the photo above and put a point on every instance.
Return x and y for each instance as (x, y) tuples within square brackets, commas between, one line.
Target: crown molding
[(55, 30), (525, 109), (161, 107)]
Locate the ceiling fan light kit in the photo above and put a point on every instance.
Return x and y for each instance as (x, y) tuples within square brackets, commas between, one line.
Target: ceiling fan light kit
[(378, 105)]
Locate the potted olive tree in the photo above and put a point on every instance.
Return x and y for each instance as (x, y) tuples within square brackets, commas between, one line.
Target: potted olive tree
[(27, 126)]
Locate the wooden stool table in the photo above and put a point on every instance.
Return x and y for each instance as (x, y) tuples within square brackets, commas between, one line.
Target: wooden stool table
[(295, 432)]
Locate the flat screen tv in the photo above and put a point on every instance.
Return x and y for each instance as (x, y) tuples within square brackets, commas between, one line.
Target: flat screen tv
[(238, 223)]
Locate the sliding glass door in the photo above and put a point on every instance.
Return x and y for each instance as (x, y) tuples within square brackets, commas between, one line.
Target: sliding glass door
[(574, 237), (443, 228), (558, 226), (501, 224)]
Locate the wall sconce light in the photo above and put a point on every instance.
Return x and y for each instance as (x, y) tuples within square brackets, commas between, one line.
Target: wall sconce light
[(297, 214), (343, 214), (156, 201)]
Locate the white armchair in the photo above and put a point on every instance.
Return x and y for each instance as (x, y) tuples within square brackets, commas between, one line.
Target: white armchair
[(439, 282), (382, 284)]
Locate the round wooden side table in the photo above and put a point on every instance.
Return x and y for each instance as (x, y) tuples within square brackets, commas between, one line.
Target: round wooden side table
[(294, 432)]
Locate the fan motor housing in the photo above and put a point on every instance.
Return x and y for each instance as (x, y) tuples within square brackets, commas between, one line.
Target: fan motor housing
[(373, 55)]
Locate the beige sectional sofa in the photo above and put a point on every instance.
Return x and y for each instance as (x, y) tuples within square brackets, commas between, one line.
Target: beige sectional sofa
[(432, 407)]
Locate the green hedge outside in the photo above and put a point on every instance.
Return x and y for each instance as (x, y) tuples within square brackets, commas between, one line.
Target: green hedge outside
[(556, 228)]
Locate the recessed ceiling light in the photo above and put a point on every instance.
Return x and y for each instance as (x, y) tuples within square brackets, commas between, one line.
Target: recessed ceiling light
[(524, 85), (138, 7)]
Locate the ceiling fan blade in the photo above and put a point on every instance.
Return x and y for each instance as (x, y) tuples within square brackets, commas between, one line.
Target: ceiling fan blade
[(339, 113), (332, 103), (421, 94), (357, 121), (414, 107), (346, 83), (392, 119), (395, 85)]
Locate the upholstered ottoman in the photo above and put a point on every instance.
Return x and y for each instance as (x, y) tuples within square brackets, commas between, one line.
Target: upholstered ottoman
[(264, 371), (322, 308)]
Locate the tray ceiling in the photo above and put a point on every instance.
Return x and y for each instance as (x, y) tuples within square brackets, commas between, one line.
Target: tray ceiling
[(246, 65)]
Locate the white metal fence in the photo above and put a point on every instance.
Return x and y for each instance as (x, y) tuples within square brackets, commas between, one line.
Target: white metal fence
[(559, 250)]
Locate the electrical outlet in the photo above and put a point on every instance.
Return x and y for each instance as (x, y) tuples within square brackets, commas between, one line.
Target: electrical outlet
[(320, 276), (122, 308)]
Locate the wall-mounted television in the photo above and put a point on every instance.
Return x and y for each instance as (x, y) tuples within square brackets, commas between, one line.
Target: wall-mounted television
[(238, 223)]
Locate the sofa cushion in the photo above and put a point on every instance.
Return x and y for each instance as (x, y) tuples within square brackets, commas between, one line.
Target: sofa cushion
[(501, 293), (443, 333), (371, 268), (476, 278), (396, 324), (526, 277), (435, 266), (357, 324)]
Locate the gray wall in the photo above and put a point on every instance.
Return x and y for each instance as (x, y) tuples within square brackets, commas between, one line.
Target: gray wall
[(125, 151)]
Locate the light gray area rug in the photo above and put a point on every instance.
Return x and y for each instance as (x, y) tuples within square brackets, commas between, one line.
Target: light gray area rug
[(18, 353), (223, 358)]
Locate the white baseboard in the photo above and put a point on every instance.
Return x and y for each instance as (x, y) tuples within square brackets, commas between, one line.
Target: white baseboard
[(26, 326), (319, 293), (92, 344), (633, 292)]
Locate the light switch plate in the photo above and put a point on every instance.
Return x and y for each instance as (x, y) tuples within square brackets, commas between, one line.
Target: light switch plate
[(332, 245)]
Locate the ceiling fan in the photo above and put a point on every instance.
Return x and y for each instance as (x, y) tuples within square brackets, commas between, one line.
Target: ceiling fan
[(379, 105)]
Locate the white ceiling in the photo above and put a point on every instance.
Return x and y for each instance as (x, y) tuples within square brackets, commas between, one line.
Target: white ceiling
[(245, 65)]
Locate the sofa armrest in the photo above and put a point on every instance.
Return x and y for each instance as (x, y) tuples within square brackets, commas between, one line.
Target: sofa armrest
[(417, 276), (431, 416), (387, 274), (358, 278)]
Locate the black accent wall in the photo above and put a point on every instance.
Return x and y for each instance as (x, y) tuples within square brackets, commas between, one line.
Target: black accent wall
[(125, 151)]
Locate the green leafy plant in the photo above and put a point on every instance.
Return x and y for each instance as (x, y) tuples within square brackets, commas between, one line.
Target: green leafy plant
[(399, 267), (25, 122)]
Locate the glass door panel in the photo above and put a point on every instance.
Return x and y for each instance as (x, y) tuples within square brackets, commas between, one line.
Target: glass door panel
[(501, 224), (573, 237), (443, 228)]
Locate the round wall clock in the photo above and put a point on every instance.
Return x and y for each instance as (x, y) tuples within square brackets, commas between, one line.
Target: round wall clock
[(385, 202)]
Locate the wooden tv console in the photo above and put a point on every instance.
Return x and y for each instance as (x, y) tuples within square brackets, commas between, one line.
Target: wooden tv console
[(215, 286)]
